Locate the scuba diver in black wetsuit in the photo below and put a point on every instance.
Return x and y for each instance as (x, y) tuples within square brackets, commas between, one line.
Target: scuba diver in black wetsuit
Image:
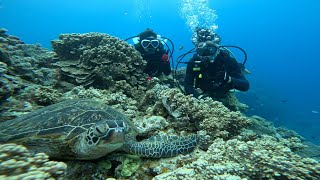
[(151, 47), (213, 69)]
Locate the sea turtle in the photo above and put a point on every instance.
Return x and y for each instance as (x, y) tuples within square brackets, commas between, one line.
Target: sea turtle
[(87, 129)]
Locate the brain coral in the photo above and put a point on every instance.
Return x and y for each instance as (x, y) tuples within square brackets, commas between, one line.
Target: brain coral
[(98, 60)]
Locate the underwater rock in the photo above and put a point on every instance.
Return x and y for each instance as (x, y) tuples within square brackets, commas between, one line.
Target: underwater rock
[(99, 60), (17, 162)]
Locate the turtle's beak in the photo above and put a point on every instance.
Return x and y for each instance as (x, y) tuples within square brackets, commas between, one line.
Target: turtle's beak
[(113, 137)]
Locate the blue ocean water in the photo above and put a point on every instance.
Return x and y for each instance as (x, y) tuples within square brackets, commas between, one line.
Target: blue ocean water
[(280, 37)]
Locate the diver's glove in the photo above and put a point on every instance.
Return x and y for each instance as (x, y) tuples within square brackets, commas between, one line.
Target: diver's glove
[(222, 78), (165, 58)]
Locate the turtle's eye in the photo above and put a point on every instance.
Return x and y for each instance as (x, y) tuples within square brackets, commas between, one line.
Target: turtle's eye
[(99, 131)]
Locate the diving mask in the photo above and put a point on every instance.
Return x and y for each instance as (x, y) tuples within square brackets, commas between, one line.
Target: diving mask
[(146, 43), (207, 48)]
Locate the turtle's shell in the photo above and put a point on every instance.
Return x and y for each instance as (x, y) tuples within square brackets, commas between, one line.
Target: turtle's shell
[(53, 126)]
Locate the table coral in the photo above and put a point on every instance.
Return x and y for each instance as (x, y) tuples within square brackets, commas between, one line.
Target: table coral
[(99, 60)]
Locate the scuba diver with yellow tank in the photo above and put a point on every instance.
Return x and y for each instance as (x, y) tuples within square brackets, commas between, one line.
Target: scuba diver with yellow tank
[(213, 68)]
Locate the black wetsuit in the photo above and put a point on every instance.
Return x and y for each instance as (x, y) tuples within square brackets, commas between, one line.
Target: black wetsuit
[(203, 76), (155, 64)]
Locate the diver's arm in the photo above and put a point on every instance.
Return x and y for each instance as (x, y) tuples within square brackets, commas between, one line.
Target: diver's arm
[(189, 80), (238, 80), (240, 83)]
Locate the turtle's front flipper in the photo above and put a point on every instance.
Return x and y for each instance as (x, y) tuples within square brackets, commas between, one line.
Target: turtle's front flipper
[(163, 146)]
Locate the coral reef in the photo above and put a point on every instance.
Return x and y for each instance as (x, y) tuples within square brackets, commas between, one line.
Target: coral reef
[(44, 95), (263, 158), (104, 68), (230, 101), (129, 165), (7, 41), (83, 170), (18, 163), (13, 108), (99, 60), (185, 112), (25, 97), (32, 63), (117, 100), (152, 124), (23, 65), (310, 151), (9, 85)]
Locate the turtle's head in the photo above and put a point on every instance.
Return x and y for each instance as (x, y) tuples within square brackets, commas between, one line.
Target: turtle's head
[(102, 138)]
